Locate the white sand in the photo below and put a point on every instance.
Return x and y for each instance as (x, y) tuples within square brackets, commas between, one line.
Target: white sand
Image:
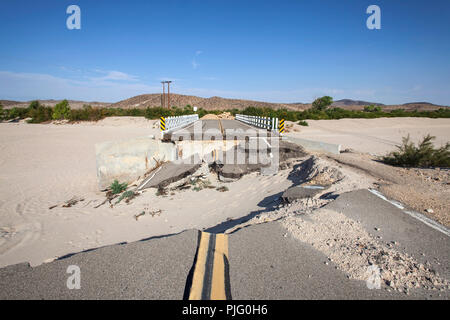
[(375, 136), (45, 165)]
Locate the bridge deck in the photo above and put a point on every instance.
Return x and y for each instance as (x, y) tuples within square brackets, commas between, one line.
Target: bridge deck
[(217, 130)]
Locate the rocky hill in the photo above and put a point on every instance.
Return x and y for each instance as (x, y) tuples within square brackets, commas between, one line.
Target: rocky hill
[(213, 103), (218, 103), (350, 102)]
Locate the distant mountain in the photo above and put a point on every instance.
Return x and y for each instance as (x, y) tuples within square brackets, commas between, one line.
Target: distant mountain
[(7, 103), (350, 102), (213, 103), (218, 103), (418, 103)]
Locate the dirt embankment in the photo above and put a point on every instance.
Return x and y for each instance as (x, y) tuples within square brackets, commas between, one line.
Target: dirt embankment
[(424, 190)]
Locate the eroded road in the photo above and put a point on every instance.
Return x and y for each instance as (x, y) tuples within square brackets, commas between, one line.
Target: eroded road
[(265, 262)]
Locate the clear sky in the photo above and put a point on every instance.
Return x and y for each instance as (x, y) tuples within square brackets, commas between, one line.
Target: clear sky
[(279, 51)]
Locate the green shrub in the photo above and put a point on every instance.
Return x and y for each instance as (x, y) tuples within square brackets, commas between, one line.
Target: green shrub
[(303, 123), (422, 155), (117, 187), (41, 114), (34, 105), (126, 195), (372, 108), (61, 111), (321, 104), (16, 113)]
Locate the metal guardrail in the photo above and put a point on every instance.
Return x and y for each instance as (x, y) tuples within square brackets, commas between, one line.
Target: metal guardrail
[(172, 123), (260, 122)]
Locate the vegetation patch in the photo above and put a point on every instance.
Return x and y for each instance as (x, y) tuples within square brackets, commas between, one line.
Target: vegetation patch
[(422, 155), (117, 187), (303, 123), (321, 110), (128, 195), (61, 111)]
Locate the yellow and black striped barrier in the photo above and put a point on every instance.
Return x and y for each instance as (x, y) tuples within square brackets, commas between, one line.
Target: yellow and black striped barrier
[(211, 279), (162, 124), (281, 126)]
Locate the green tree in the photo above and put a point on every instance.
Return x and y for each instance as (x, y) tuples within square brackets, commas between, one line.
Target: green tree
[(61, 111), (321, 104), (41, 114), (34, 105)]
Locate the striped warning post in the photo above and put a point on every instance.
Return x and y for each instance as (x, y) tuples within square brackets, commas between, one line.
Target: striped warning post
[(211, 280), (162, 124), (281, 126)]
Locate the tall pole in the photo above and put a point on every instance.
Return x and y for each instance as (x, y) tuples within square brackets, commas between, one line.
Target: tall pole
[(163, 97), (168, 93)]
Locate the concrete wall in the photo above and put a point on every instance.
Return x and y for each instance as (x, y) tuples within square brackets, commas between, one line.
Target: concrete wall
[(315, 145), (189, 148), (129, 159)]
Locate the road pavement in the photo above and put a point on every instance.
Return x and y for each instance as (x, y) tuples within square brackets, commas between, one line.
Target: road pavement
[(217, 130)]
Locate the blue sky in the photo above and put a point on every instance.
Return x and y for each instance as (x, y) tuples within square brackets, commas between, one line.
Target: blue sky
[(279, 51)]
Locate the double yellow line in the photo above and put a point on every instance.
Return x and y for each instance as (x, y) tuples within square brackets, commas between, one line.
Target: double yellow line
[(211, 280)]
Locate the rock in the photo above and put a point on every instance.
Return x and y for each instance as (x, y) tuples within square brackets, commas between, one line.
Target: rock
[(430, 210), (301, 192), (170, 172)]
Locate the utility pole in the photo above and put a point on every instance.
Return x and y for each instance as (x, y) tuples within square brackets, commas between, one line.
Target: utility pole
[(163, 97), (168, 93)]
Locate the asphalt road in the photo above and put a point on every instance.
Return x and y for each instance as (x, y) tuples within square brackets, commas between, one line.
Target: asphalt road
[(216, 130), (156, 268), (267, 265)]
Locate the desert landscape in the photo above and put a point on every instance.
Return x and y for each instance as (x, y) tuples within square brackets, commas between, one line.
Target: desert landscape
[(44, 166), (237, 151)]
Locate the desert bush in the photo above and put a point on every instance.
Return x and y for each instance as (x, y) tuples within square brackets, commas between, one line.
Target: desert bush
[(253, 111), (157, 112), (16, 113), (117, 187), (303, 123), (422, 155), (34, 105), (61, 111), (40, 114), (372, 108), (321, 104), (128, 195)]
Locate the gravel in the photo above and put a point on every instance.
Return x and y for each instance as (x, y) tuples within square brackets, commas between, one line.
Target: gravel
[(354, 250)]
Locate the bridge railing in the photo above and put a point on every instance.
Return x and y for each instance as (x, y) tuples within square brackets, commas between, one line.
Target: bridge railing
[(172, 123), (268, 123)]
